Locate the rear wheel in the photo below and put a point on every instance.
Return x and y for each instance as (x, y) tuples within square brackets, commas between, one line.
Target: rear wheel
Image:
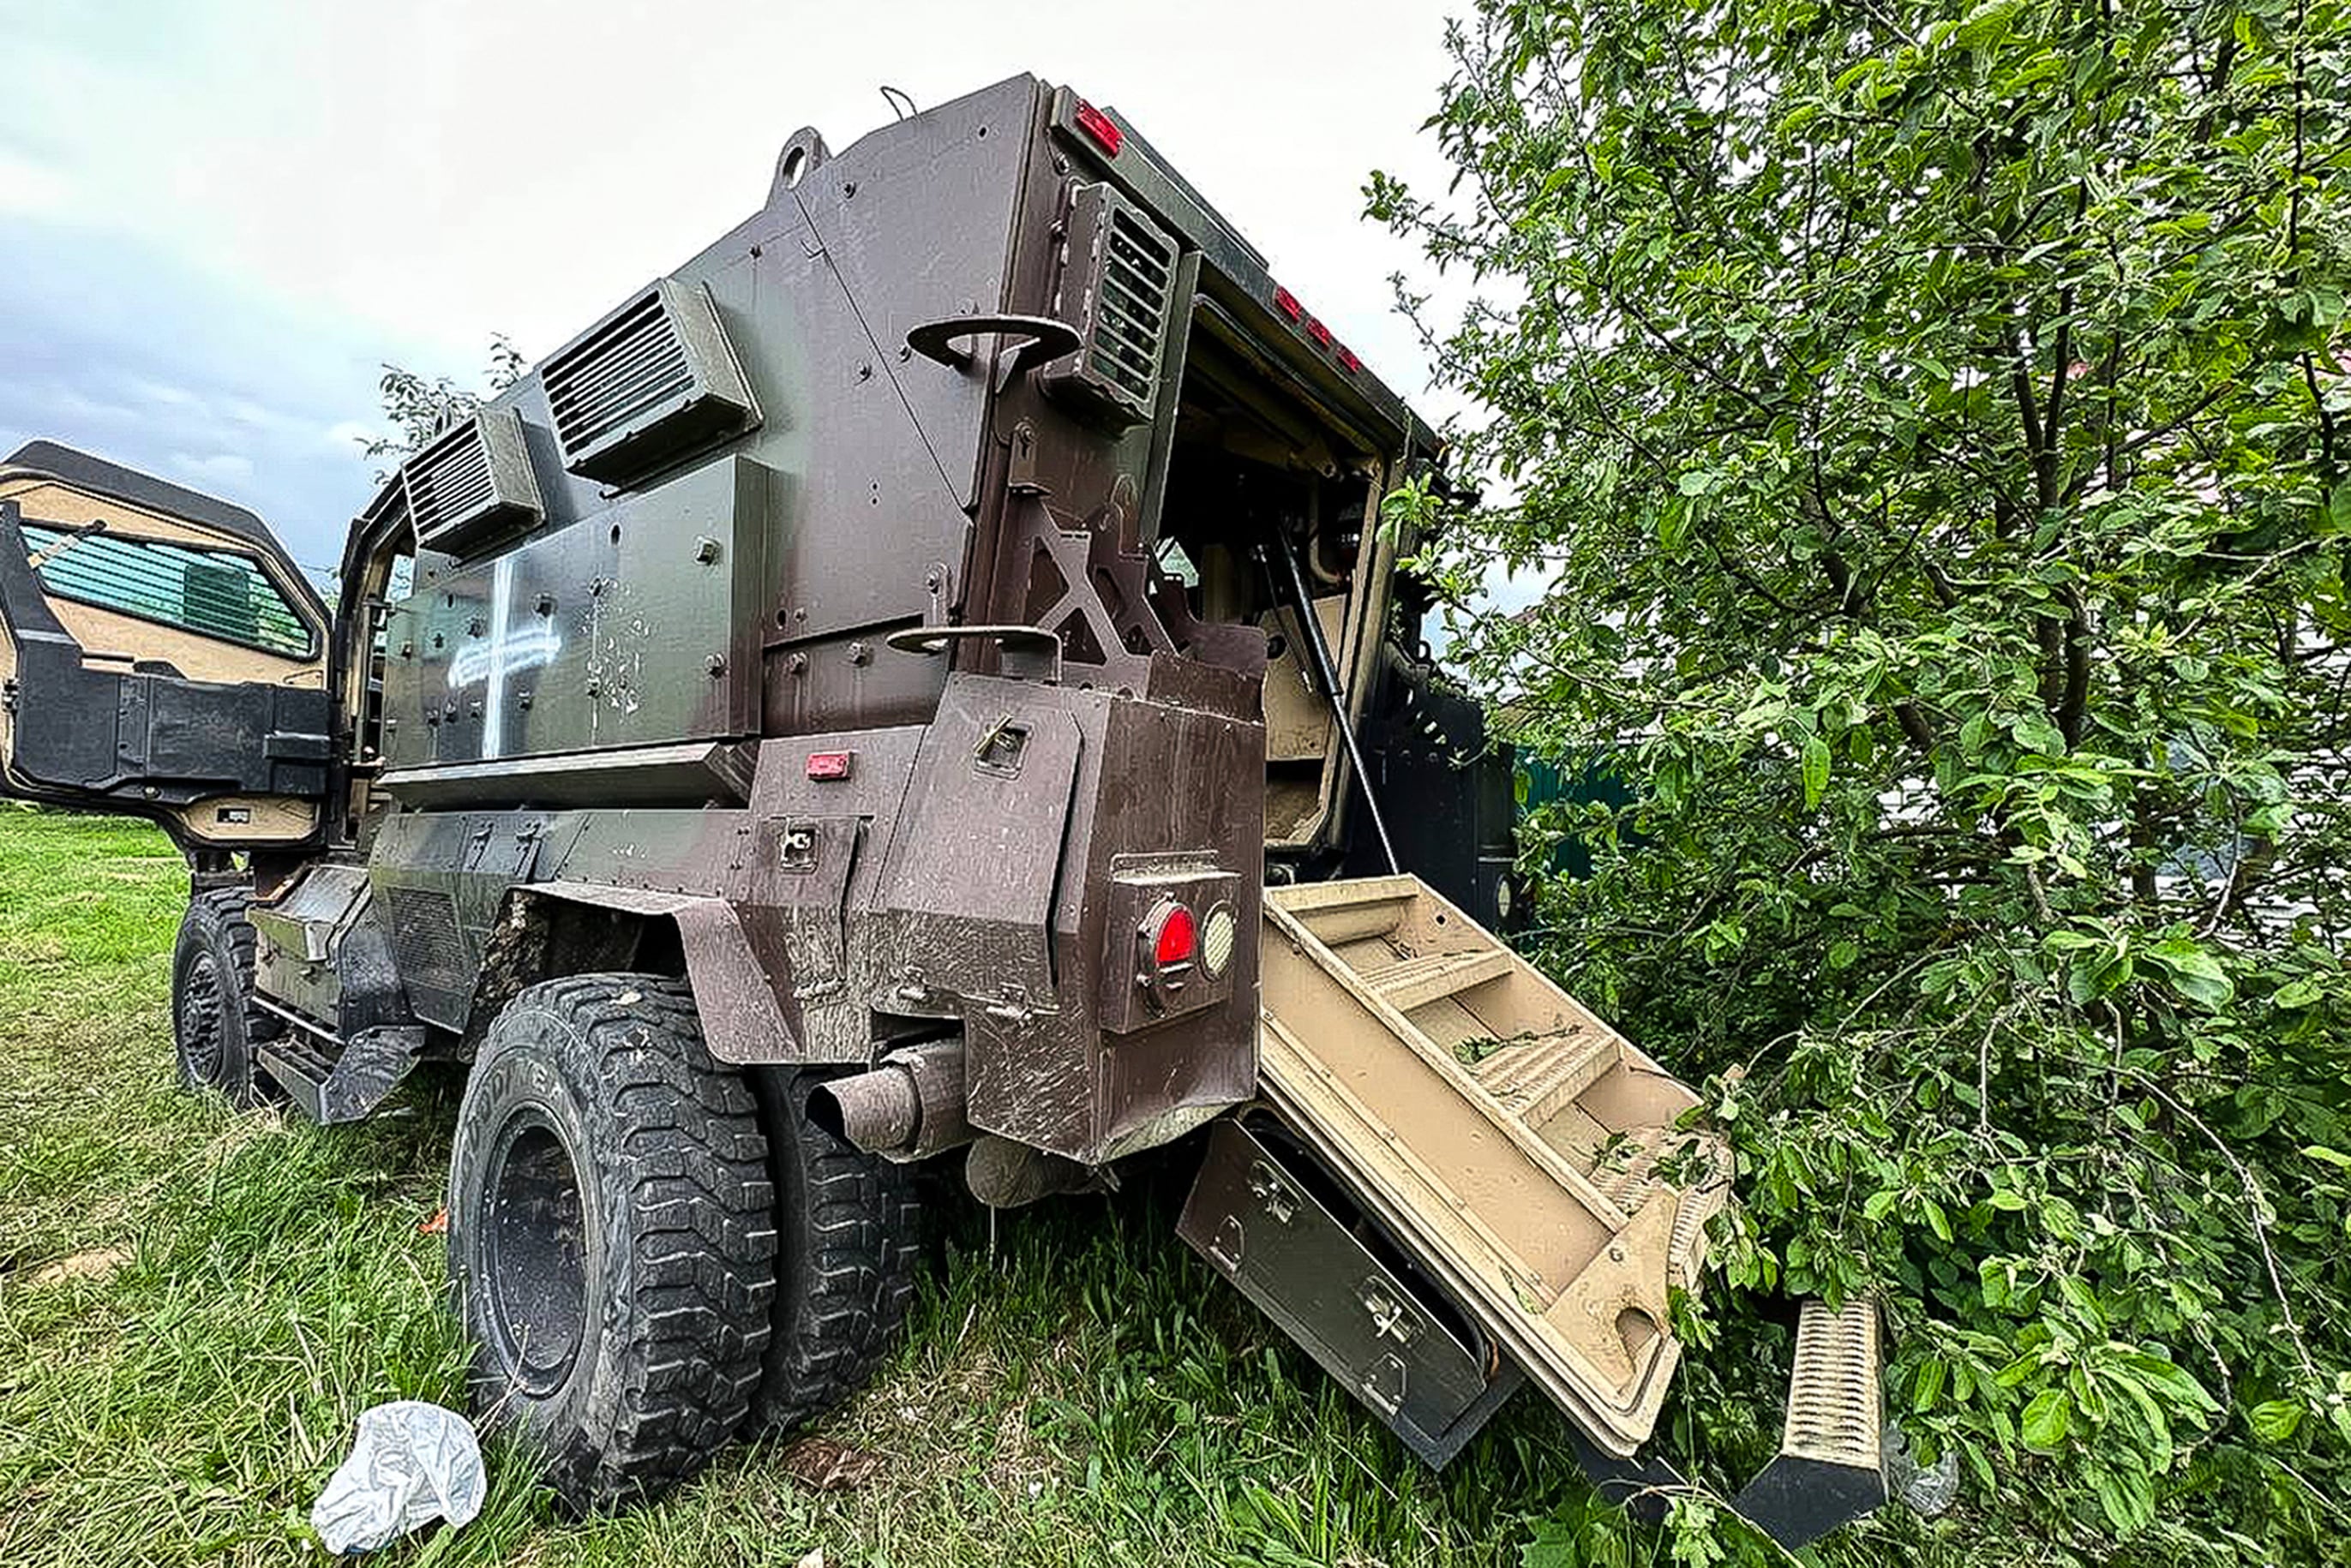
[(216, 1023), (610, 1235), (848, 1225)]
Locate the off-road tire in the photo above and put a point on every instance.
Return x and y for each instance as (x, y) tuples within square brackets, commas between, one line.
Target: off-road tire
[(848, 1228), (217, 1025), (620, 1320)]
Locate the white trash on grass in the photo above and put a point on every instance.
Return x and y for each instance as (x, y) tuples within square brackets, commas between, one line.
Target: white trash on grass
[(411, 1463)]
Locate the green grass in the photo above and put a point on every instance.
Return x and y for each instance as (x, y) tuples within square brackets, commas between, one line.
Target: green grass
[(1076, 1387)]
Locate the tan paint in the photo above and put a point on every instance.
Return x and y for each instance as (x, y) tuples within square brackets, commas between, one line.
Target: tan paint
[(1297, 715), (1507, 1134), (111, 640), (269, 819)]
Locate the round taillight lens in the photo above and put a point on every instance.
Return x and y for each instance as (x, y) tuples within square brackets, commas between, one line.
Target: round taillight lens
[(1177, 939)]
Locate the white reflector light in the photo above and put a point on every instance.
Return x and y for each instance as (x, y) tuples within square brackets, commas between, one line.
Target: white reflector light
[(1216, 941)]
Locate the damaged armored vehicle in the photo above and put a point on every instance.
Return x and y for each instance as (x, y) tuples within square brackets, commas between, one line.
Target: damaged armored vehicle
[(924, 680)]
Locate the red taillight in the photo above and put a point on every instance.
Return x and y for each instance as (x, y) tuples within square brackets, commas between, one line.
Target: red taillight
[(829, 766), (1101, 127), (1179, 937), (1287, 303)]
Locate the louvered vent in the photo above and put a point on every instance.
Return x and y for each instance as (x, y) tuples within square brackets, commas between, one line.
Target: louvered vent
[(473, 484), (1115, 289), (653, 380)]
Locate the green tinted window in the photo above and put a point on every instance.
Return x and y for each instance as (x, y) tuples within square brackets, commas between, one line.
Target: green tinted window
[(213, 592)]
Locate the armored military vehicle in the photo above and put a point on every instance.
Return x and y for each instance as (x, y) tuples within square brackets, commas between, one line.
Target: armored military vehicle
[(924, 680)]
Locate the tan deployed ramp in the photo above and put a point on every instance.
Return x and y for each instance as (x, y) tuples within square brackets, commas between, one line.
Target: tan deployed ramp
[(1524, 1149)]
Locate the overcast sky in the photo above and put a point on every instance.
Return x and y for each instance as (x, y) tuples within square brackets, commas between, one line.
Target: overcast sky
[(218, 218)]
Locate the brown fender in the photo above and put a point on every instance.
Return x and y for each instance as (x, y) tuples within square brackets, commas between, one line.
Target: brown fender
[(741, 1022)]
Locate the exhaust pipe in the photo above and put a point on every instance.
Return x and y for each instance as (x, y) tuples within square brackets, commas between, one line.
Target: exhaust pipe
[(908, 1107)]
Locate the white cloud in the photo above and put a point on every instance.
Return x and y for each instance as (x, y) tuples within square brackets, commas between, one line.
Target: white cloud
[(443, 169), (28, 188), (220, 467)]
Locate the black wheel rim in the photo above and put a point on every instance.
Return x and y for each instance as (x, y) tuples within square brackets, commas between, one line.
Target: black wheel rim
[(534, 1254), (201, 1047)]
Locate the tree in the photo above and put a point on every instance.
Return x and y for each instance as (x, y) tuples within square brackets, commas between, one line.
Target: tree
[(1935, 433), (419, 408)]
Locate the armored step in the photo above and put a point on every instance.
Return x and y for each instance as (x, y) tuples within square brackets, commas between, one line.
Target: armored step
[(1830, 1466), (335, 1086), (301, 1068)]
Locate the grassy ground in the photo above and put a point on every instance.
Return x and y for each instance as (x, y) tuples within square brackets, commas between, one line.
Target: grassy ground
[(196, 1303)]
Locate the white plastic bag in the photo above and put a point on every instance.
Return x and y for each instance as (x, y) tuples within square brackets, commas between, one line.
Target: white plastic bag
[(410, 1464)]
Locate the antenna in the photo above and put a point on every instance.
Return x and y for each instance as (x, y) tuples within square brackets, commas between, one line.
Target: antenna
[(894, 97)]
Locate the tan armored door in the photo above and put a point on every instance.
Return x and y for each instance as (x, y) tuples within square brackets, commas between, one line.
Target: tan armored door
[(160, 655)]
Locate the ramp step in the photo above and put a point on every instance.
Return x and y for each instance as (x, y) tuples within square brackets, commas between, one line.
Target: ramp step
[(1507, 1139), (1412, 983), (1541, 1078), (1830, 1466)]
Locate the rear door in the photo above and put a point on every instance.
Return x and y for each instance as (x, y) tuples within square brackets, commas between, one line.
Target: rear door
[(160, 655)]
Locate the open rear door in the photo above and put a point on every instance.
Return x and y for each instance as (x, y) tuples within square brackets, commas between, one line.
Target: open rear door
[(1510, 1148), (1457, 1180), (160, 655)]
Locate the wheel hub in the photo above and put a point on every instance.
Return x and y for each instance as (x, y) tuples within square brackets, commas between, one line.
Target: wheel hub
[(200, 1021), (535, 1255)]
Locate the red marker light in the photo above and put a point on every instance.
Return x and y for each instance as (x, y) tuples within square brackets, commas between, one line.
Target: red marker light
[(1287, 303), (1101, 127), (829, 767), (1179, 937)]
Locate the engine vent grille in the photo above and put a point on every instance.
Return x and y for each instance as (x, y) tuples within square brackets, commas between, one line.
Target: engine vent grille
[(1116, 289), (652, 380), (1138, 272), (473, 484)]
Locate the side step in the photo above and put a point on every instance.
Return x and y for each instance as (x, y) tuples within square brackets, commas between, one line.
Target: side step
[(334, 1086)]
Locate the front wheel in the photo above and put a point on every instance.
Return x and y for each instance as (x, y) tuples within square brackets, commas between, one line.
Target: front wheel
[(216, 1023), (612, 1236)]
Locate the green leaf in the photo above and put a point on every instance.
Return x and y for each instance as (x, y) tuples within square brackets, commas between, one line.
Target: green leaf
[(2125, 1496), (2193, 972), (2276, 1420), (1816, 770), (2296, 994), (2046, 1421), (1988, 23), (1928, 1388)]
